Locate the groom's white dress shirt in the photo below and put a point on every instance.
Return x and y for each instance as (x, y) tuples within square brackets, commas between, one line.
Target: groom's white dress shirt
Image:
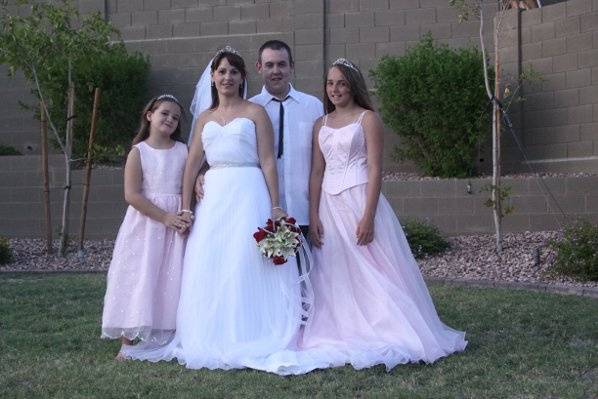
[(301, 111)]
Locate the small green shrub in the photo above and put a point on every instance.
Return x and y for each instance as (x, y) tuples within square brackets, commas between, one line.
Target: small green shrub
[(122, 78), (8, 150), (5, 251), (434, 98), (424, 238), (109, 155), (577, 252)]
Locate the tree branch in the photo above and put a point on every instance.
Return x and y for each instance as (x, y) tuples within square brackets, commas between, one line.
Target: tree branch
[(483, 48), (48, 118)]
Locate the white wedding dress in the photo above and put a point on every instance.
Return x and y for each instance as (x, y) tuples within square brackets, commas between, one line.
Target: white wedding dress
[(237, 309)]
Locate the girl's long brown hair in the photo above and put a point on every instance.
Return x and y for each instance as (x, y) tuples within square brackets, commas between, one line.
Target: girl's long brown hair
[(143, 130), (236, 61), (357, 86)]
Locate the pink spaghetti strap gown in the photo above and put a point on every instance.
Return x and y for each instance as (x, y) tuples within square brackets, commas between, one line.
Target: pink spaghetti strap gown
[(372, 305), (144, 278)]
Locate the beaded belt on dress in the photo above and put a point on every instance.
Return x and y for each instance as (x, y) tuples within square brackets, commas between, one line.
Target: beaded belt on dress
[(234, 165)]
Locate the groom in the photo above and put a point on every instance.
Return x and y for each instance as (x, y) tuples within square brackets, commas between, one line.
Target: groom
[(293, 114)]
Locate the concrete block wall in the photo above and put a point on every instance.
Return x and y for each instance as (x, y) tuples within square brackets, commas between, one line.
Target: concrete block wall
[(180, 37), (560, 113), (21, 209), (158, 19), (456, 206), (366, 30), (560, 40)]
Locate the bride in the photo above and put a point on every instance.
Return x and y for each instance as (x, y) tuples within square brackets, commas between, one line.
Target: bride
[(236, 308)]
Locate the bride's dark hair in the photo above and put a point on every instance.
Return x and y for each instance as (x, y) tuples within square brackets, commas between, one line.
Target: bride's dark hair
[(236, 61)]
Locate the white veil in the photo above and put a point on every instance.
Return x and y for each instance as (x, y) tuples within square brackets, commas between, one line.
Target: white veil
[(202, 99)]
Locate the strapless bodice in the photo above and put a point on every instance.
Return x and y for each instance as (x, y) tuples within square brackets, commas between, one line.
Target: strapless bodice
[(233, 143)]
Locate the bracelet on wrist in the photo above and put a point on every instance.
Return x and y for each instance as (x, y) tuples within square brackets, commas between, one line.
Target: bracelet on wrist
[(276, 207), (186, 211)]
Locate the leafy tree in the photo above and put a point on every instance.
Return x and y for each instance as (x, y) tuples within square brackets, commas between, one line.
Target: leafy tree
[(468, 9), (55, 48)]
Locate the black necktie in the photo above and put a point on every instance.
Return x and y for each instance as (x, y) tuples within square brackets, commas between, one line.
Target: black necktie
[(280, 125)]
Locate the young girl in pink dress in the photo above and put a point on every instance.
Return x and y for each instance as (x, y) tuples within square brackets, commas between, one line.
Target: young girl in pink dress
[(371, 303), (144, 277)]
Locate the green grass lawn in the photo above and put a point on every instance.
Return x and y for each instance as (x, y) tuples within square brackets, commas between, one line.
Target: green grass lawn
[(521, 344)]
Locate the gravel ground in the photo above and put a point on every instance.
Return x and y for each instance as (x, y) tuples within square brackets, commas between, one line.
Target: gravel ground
[(526, 259), (29, 255), (470, 257), (404, 176)]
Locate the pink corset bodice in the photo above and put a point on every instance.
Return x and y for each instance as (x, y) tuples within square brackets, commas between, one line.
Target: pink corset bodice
[(345, 153)]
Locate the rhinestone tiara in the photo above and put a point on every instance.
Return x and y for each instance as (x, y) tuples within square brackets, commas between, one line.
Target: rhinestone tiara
[(345, 62), (227, 49), (168, 97)]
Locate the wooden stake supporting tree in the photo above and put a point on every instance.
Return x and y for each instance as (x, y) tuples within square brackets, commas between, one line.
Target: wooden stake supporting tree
[(46, 180), (88, 165)]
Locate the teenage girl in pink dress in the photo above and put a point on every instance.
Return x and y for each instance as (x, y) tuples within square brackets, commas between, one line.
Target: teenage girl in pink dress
[(371, 303)]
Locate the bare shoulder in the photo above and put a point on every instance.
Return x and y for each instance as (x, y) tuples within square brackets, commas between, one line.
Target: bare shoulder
[(372, 119), (204, 117), (253, 108), (319, 122), (133, 158), (255, 112), (133, 153)]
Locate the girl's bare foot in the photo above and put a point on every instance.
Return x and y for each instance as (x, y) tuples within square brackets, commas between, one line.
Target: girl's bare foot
[(120, 357)]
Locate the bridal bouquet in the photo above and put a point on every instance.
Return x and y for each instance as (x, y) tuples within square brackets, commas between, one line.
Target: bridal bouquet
[(278, 239)]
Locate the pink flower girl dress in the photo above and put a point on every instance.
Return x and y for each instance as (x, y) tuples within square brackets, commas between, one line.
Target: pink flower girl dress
[(144, 278), (372, 305)]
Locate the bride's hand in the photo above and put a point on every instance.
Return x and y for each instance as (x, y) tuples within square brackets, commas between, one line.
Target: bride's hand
[(278, 212), (199, 187), (316, 232)]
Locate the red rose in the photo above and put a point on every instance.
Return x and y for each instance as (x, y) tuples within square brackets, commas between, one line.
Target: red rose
[(260, 235), (270, 225), (278, 260), (291, 220)]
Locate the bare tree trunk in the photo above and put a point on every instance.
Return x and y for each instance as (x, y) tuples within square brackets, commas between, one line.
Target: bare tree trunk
[(496, 151), (88, 163), (64, 233), (495, 195), (46, 179)]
